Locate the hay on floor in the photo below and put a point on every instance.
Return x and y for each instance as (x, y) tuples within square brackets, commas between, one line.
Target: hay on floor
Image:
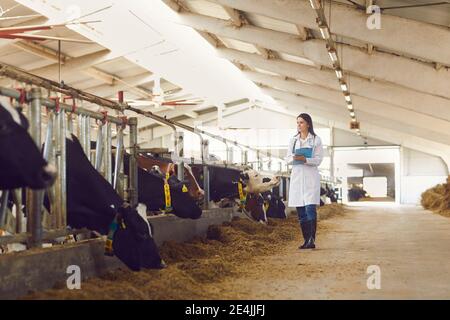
[(437, 199)]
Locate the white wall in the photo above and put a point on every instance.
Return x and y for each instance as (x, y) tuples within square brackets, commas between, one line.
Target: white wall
[(420, 171), (413, 186)]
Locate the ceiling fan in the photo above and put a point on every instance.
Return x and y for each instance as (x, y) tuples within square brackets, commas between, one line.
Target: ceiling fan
[(158, 99)]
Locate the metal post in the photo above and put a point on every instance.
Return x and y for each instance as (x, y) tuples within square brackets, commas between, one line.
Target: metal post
[(205, 148), (3, 207), (107, 154), (119, 158), (179, 151), (133, 185), (35, 212), (99, 148), (17, 197), (269, 164), (258, 158), (288, 181), (70, 123), (60, 183), (53, 192), (80, 123), (87, 136), (229, 154), (62, 167), (50, 156), (280, 188), (245, 157)]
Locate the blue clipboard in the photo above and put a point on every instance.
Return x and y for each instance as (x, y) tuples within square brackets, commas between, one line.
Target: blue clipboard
[(306, 152)]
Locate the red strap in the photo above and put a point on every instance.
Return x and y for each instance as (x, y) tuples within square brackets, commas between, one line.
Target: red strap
[(120, 96), (74, 104), (23, 95), (57, 105), (105, 115)]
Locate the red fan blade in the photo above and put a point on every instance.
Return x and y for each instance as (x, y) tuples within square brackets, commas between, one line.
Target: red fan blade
[(10, 30), (7, 31), (18, 36), (41, 38), (179, 104)]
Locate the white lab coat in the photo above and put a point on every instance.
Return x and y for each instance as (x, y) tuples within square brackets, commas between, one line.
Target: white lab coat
[(304, 188)]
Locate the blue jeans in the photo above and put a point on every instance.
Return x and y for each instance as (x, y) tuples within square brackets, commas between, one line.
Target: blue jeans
[(307, 213)]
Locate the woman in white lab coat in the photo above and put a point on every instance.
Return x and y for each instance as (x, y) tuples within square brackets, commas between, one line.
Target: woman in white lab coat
[(305, 153)]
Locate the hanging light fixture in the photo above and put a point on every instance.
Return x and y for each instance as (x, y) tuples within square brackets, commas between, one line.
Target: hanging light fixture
[(339, 73), (344, 86), (347, 97), (324, 31), (333, 55), (315, 4)]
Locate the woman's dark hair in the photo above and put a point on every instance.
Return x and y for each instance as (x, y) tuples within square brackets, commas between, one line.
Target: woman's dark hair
[(308, 120)]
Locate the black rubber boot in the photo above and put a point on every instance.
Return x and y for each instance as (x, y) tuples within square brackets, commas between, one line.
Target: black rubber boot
[(312, 239), (306, 230)]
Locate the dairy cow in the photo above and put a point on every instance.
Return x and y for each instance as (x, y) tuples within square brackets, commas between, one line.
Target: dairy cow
[(93, 203), (21, 162), (151, 192)]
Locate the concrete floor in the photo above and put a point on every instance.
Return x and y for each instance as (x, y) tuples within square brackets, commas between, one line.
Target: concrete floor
[(411, 247)]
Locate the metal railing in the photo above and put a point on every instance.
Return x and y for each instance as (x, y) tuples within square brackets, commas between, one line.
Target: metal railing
[(60, 120)]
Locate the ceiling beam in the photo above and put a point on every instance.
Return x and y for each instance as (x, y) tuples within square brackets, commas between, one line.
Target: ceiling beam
[(413, 120), (376, 90), (380, 66), (410, 37), (386, 130), (52, 55), (302, 31), (74, 64), (125, 84), (239, 19)]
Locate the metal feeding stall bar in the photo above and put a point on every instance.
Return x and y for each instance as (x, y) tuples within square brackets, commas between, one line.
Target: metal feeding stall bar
[(59, 120)]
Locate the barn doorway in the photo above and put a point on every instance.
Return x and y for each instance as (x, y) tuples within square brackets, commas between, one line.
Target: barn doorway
[(369, 174)]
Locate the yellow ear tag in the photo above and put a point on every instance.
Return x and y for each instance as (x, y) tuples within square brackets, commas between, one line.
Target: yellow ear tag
[(184, 189)]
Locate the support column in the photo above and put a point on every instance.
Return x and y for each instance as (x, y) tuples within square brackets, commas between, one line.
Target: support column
[(179, 152), (133, 186), (35, 211), (205, 148)]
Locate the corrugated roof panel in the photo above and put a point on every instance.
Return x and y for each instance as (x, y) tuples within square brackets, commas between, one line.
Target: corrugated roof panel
[(207, 8), (270, 23), (238, 45), (296, 59)]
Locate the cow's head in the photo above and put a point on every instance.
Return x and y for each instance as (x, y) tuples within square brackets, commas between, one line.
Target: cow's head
[(255, 181), (133, 243), (21, 162)]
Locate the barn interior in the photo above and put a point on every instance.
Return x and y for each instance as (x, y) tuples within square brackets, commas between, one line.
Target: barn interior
[(221, 83)]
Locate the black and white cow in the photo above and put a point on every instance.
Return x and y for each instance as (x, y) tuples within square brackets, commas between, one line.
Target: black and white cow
[(223, 182), (21, 162), (93, 203), (224, 185), (151, 193)]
